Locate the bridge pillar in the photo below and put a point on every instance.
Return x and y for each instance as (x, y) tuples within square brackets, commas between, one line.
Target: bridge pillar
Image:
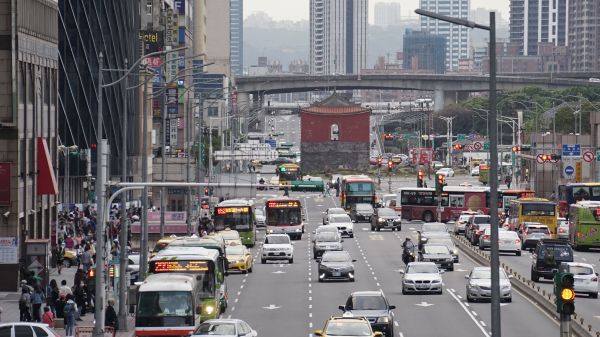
[(441, 98), (243, 106)]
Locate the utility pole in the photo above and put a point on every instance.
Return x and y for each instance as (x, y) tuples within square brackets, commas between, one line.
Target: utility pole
[(162, 164), (124, 223), (188, 149), (144, 215), (448, 138)]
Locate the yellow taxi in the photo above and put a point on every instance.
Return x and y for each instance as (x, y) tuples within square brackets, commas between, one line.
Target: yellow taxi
[(256, 163), (162, 244), (347, 326), (230, 236), (70, 258), (239, 258)]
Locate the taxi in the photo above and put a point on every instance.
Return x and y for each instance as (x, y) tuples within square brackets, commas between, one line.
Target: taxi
[(347, 326), (239, 258), (162, 244), (230, 236), (70, 258)]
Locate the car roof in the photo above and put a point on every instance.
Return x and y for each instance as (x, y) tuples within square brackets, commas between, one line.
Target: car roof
[(223, 320), (534, 224), (336, 209), (41, 325), (367, 293), (350, 319), (554, 242), (421, 263), (580, 264), (277, 235)]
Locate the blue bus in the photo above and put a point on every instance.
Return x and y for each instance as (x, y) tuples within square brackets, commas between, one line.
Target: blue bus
[(573, 192)]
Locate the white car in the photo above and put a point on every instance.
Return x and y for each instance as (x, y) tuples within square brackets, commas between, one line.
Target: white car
[(446, 171), (261, 219), (475, 171), (343, 223), (508, 241), (586, 279), (17, 329), (562, 232), (277, 247), (463, 219), (479, 285), (332, 210), (437, 164), (422, 277)]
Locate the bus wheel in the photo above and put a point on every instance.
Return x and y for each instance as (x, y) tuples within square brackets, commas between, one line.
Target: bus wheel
[(428, 216)]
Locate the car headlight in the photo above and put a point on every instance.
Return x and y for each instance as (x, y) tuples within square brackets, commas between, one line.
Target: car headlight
[(384, 319), (381, 220), (455, 252), (298, 230), (270, 231), (505, 287), (209, 309), (436, 281)]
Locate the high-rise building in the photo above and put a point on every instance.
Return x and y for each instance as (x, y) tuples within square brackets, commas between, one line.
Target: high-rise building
[(584, 35), (387, 14), (457, 37), (424, 52), (338, 36), (218, 37), (236, 21), (534, 21)]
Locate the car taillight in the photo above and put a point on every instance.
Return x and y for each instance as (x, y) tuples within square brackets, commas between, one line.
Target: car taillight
[(561, 230), (517, 241), (594, 279), (485, 237), (478, 232)]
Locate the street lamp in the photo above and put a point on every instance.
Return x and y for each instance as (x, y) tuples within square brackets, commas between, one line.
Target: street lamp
[(495, 263)]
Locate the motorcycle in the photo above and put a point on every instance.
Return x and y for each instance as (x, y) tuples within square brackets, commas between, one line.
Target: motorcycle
[(408, 255)]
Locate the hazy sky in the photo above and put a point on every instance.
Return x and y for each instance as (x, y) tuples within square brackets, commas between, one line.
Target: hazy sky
[(298, 9)]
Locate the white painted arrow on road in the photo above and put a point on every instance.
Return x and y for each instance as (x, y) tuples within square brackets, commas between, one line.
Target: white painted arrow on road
[(271, 307), (424, 304), (279, 272)]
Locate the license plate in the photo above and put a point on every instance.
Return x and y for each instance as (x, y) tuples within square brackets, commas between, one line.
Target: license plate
[(422, 286), (337, 273), (506, 241)]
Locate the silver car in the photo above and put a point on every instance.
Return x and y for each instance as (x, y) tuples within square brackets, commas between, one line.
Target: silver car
[(531, 233), (562, 233), (479, 285), (325, 242), (485, 241), (332, 210), (508, 241), (422, 277), (446, 241)]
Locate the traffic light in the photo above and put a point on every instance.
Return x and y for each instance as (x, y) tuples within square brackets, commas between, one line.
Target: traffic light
[(555, 157), (206, 190), (546, 157), (379, 161), (521, 148), (420, 178), (564, 292), (440, 182), (390, 165), (458, 147)]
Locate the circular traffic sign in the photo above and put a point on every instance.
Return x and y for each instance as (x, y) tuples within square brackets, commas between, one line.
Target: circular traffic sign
[(477, 146), (588, 156), (539, 159), (470, 147), (569, 170)]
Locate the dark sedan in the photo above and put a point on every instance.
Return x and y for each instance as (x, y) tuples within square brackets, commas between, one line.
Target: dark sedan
[(336, 265), (386, 218)]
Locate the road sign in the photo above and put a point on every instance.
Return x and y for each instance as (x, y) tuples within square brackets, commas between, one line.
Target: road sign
[(569, 170), (486, 146), (571, 150), (578, 172), (477, 146), (36, 267), (470, 147), (539, 159), (588, 156), (461, 137), (597, 155)]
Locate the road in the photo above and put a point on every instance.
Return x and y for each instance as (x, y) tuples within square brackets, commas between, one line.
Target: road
[(295, 301)]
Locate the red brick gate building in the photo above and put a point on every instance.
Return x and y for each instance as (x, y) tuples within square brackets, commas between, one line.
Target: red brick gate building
[(334, 134)]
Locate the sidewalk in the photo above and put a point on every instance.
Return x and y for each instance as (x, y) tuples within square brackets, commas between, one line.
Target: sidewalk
[(9, 301)]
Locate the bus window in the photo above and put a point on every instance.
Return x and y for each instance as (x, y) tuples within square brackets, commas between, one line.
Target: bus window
[(595, 192), (581, 194), (457, 201)]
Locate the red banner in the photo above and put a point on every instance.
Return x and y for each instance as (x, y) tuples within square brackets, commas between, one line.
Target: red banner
[(5, 184)]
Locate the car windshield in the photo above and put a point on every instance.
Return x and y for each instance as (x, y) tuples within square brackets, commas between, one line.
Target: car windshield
[(386, 212), (464, 218), (234, 250), (329, 229), (279, 239), (259, 212), (348, 329), (327, 237), (481, 219), (368, 303), (336, 211), (364, 207), (434, 227), (435, 249), (485, 273), (208, 328), (335, 257), (543, 230), (422, 269), (441, 241), (538, 209), (230, 235), (561, 252), (581, 270), (175, 304), (339, 218)]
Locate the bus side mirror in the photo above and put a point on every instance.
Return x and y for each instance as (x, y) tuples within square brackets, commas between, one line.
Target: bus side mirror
[(198, 309)]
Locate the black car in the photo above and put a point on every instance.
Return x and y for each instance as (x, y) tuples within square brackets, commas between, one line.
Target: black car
[(281, 160), (386, 218), (438, 254), (362, 212), (373, 306), (547, 257), (336, 265)]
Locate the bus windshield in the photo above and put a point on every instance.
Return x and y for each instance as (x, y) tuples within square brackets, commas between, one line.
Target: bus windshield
[(283, 216), (164, 309), (534, 209), (358, 187), (203, 271), (238, 218)]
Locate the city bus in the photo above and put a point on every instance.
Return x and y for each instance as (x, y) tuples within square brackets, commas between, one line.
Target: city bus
[(284, 215), (287, 173), (169, 305), (237, 214), (204, 265), (212, 241), (532, 210), (420, 203), (571, 193), (584, 225), (357, 189), (506, 196)]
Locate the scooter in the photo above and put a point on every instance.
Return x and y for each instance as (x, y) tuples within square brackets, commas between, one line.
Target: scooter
[(408, 255)]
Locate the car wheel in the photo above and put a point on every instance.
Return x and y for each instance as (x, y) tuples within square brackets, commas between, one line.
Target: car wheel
[(319, 279), (594, 295), (427, 216), (534, 276), (404, 291), (351, 236), (509, 300), (245, 271), (372, 229), (518, 253), (440, 292), (379, 229), (250, 270), (263, 261), (390, 331), (469, 298), (291, 260), (451, 267)]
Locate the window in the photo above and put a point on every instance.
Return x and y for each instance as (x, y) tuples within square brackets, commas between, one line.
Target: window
[(335, 132), (213, 111), (457, 201), (23, 331), (39, 332), (5, 331)]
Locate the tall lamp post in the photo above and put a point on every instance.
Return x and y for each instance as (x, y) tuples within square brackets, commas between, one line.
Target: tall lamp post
[(495, 263)]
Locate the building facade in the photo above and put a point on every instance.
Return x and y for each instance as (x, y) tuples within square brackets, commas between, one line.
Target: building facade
[(28, 132), (218, 37), (584, 35), (236, 21), (535, 21), (424, 52), (338, 36), (387, 14), (457, 37)]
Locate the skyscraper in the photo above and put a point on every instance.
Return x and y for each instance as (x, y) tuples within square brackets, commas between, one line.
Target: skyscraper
[(584, 35), (387, 14), (236, 30), (457, 37), (424, 52), (533, 21), (338, 36)]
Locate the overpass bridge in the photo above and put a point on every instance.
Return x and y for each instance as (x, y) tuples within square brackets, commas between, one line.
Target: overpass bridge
[(447, 88)]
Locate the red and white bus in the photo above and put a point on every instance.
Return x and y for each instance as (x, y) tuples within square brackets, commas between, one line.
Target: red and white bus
[(421, 203), (505, 196), (357, 189), (284, 215)]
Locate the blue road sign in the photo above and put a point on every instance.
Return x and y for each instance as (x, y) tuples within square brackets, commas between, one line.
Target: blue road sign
[(569, 170), (571, 150)]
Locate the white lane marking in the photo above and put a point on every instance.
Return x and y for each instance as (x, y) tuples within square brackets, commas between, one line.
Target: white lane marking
[(232, 308), (310, 314), (459, 296), (242, 286), (469, 313), (310, 325), (482, 323), (239, 292), (474, 313), (229, 316), (378, 284), (236, 300), (310, 306), (400, 334), (310, 298)]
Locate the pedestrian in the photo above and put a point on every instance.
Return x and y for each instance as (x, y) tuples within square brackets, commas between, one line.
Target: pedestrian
[(110, 318), (59, 306), (24, 306), (37, 299), (48, 317), (64, 289), (286, 192), (80, 297), (508, 181), (60, 256), (86, 258), (52, 295), (70, 314)]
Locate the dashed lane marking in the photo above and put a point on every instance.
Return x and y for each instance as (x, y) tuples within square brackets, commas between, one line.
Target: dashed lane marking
[(463, 305)]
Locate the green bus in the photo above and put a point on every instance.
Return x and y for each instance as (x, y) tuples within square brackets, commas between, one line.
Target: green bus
[(237, 214), (204, 265), (584, 225)]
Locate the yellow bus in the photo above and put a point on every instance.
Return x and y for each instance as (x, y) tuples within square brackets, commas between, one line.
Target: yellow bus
[(287, 173), (533, 210)]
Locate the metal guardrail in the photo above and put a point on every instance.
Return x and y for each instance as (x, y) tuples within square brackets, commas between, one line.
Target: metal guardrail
[(528, 288)]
